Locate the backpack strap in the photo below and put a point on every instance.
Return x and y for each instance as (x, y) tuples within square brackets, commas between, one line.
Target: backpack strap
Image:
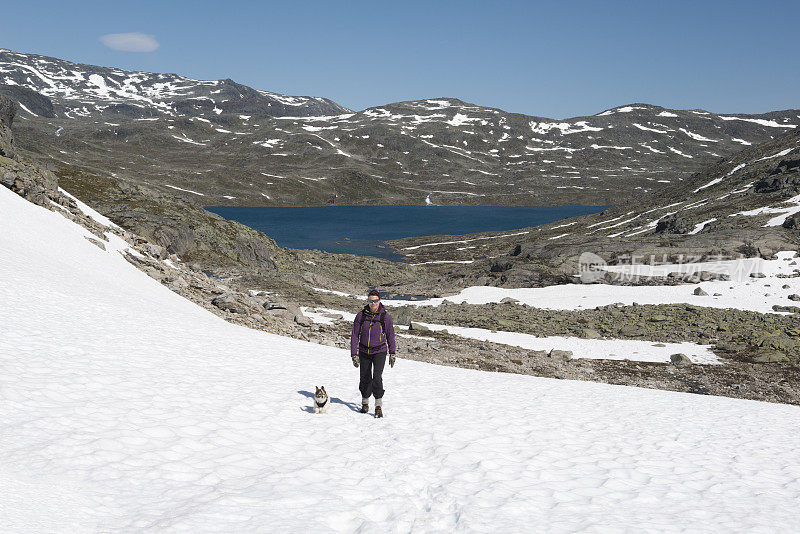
[(383, 324)]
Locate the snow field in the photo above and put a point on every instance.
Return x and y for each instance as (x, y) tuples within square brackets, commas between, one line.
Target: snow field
[(741, 292), (125, 408), (605, 349)]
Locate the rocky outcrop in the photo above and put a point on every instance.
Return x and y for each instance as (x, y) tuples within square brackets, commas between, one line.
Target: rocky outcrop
[(34, 183), (180, 226), (31, 182), (673, 225), (7, 111), (35, 102), (785, 179)]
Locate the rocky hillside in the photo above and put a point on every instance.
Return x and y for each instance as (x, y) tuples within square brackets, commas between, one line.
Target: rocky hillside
[(222, 143), (747, 204)]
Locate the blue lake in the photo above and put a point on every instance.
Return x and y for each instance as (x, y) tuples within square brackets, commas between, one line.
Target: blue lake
[(363, 230)]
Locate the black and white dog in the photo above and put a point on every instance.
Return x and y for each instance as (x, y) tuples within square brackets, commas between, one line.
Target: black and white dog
[(321, 401)]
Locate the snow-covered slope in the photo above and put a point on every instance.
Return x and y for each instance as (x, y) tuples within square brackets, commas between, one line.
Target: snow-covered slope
[(125, 407)]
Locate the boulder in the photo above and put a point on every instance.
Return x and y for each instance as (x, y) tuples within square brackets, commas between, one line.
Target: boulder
[(699, 291), (590, 333), (674, 225), (401, 316), (562, 355), (784, 180), (769, 356), (302, 320), (500, 266), (777, 341), (227, 302), (679, 360), (790, 309), (417, 327), (794, 297)]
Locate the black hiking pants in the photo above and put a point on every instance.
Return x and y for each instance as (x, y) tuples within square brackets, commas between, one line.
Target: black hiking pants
[(371, 368)]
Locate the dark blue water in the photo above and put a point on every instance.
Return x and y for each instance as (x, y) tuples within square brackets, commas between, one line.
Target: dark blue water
[(363, 230)]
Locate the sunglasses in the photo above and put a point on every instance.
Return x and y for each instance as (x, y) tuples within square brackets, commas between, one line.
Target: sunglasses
[(373, 301)]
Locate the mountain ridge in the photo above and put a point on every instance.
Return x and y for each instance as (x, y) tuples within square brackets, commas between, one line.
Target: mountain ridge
[(244, 149)]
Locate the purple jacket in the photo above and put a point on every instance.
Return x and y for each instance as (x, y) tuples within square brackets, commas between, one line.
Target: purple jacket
[(368, 336)]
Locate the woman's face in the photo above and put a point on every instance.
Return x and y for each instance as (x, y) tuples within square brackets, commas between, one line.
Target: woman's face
[(373, 302)]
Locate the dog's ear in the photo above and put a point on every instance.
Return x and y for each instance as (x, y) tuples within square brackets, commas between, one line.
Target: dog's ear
[(323, 389)]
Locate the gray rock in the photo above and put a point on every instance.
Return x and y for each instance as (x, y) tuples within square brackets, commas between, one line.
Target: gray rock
[(179, 283), (562, 355), (401, 316), (302, 320), (416, 327), (227, 302), (679, 360), (699, 291), (794, 297), (777, 341), (590, 333), (769, 356), (757, 275), (99, 244)]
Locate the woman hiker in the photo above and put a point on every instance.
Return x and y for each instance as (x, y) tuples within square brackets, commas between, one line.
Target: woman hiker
[(372, 337)]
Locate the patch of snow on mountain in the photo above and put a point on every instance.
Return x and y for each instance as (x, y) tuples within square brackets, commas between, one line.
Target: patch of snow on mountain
[(762, 122), (651, 149), (647, 129), (676, 151), (596, 146), (699, 226), (460, 119), (784, 211), (187, 140), (184, 190), (698, 137), (310, 128), (20, 104), (718, 180), (779, 154), (565, 128)]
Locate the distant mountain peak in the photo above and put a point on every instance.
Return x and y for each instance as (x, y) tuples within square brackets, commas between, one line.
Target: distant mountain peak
[(80, 88)]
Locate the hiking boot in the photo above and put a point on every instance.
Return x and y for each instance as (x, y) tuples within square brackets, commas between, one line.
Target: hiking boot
[(378, 411), (364, 408)]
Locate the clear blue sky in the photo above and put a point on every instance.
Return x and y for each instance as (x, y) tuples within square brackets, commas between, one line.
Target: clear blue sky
[(552, 59)]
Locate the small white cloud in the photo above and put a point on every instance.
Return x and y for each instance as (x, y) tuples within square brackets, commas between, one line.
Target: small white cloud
[(130, 42)]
